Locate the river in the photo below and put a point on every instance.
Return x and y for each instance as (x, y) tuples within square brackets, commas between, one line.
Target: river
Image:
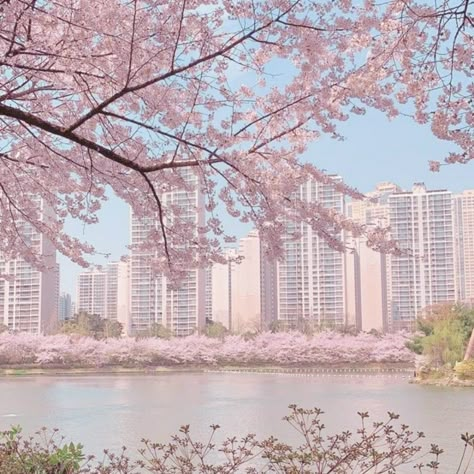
[(111, 411)]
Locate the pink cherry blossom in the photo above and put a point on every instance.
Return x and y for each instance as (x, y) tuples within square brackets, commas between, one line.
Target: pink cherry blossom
[(105, 94), (279, 349)]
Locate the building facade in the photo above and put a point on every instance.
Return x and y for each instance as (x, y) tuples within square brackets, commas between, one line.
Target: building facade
[(104, 291), (91, 292), (307, 287), (29, 297), (464, 240), (153, 298), (424, 275), (65, 307), (118, 293)]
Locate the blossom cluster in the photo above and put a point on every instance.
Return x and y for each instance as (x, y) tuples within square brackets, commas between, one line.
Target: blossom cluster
[(226, 100), (281, 349)]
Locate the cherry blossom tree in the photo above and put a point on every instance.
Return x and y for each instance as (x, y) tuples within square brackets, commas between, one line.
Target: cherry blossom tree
[(281, 349), (127, 94)]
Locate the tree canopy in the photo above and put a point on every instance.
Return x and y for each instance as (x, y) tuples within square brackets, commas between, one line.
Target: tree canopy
[(445, 334), (92, 325), (125, 95)]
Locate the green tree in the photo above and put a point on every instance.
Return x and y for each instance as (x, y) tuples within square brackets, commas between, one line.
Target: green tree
[(215, 329), (91, 325), (112, 328), (157, 330), (446, 345), (466, 317), (77, 325), (275, 326), (445, 331)]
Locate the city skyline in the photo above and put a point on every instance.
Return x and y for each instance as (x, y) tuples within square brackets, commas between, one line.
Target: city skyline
[(363, 288), (375, 150), (115, 224), (312, 283)]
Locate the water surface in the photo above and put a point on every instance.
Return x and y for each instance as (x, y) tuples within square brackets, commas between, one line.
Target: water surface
[(111, 411)]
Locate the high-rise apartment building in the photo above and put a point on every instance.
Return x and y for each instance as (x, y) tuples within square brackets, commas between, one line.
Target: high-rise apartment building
[(422, 222), (146, 307), (153, 299), (464, 239), (374, 209), (208, 293), (29, 299), (307, 286), (268, 290), (65, 307), (91, 292), (104, 291)]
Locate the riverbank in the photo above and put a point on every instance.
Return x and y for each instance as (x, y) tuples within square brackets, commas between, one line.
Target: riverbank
[(461, 375), (443, 382), (367, 369)]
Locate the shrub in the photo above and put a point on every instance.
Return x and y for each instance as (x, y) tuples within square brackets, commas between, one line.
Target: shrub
[(444, 332), (465, 370), (376, 447)]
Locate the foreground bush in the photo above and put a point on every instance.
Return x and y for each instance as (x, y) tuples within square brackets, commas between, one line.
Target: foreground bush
[(285, 349), (444, 334), (465, 370), (379, 447)]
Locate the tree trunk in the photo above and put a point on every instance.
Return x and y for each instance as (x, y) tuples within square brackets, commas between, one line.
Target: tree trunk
[(470, 348)]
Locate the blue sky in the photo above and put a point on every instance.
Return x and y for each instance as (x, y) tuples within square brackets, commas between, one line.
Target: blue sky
[(375, 150)]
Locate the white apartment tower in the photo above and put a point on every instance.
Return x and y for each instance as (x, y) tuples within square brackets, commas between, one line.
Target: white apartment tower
[(208, 273), (29, 300), (91, 292), (422, 222), (464, 238), (152, 297), (307, 286), (146, 306), (104, 291)]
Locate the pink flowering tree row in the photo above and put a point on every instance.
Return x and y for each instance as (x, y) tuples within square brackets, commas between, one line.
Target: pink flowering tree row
[(280, 349)]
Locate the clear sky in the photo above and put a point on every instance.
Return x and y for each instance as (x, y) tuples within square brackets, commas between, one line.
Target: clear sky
[(375, 150)]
